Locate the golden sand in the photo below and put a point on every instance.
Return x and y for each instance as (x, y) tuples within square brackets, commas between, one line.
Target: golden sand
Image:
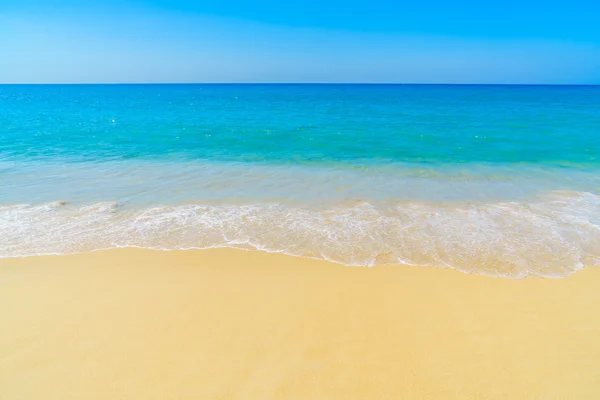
[(230, 324)]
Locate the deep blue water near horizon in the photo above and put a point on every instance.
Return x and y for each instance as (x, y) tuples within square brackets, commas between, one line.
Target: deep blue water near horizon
[(500, 180)]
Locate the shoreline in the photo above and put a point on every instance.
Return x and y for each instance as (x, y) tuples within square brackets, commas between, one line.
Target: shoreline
[(545, 237), (252, 249), (237, 324)]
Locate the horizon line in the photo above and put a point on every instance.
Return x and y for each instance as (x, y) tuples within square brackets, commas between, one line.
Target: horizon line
[(299, 83)]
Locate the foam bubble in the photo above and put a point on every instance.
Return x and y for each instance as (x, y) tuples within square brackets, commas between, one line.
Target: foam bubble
[(551, 236), (103, 207)]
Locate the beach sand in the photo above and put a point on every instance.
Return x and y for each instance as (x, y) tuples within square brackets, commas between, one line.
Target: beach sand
[(233, 324)]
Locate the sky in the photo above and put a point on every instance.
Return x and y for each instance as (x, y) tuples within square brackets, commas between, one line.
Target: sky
[(376, 41)]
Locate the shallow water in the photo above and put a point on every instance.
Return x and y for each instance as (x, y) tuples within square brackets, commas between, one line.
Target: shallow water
[(501, 180)]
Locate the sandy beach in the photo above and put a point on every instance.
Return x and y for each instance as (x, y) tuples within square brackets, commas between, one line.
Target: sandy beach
[(232, 324)]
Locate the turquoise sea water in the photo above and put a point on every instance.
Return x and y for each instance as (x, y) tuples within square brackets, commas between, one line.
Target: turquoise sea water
[(500, 180)]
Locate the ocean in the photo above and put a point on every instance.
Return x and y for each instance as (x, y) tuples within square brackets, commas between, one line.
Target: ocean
[(495, 180)]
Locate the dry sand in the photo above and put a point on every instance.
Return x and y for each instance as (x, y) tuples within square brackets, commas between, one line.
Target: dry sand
[(230, 324)]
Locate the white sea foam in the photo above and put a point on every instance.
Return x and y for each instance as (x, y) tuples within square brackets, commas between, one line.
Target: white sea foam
[(551, 236)]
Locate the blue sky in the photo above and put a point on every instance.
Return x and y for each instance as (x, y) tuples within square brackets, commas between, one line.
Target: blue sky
[(429, 41)]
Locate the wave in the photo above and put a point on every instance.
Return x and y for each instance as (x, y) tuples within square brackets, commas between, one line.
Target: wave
[(550, 236)]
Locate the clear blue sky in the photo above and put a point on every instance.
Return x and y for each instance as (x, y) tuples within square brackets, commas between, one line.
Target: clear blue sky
[(428, 41)]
